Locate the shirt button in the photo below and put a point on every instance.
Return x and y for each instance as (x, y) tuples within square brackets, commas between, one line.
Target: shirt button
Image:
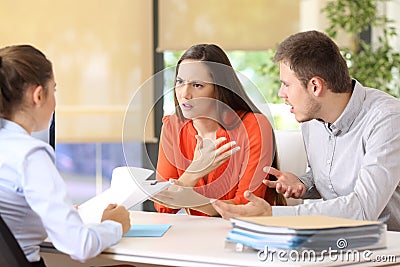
[(330, 187), (328, 161)]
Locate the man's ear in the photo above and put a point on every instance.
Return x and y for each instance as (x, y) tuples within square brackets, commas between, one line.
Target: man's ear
[(316, 86), (37, 95)]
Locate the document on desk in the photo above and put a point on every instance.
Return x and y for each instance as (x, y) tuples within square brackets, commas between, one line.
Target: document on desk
[(129, 187), (147, 230)]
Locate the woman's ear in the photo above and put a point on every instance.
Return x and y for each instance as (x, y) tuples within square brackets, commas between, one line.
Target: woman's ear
[(37, 95)]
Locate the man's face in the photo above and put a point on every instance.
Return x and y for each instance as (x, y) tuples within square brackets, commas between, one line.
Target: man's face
[(303, 104)]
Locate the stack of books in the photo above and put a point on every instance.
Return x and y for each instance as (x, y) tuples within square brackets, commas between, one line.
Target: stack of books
[(317, 233)]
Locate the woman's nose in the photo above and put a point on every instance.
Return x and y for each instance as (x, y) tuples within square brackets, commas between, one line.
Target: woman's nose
[(185, 90)]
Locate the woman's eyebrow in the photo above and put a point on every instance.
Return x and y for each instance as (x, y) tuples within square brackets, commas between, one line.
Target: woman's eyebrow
[(190, 81)]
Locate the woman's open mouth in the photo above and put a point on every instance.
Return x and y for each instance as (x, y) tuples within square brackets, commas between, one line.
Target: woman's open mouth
[(186, 106)]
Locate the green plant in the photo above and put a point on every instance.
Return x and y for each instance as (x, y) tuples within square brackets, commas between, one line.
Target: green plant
[(374, 65), (270, 71)]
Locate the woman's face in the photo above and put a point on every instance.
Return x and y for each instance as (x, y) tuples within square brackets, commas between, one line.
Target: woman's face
[(195, 90)]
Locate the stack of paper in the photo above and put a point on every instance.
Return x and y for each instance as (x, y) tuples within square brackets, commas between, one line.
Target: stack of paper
[(316, 233), (129, 187)]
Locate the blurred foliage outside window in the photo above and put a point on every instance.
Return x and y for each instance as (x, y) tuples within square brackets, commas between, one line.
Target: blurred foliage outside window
[(377, 64)]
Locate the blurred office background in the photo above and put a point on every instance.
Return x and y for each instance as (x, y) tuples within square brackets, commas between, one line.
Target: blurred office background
[(105, 53)]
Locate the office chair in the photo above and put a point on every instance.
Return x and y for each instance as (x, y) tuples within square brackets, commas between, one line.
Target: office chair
[(11, 254)]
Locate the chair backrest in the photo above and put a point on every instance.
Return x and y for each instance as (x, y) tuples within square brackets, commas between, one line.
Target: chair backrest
[(291, 153), (11, 254)]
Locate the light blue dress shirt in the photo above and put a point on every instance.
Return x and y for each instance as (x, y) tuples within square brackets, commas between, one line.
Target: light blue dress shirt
[(354, 163), (34, 201)]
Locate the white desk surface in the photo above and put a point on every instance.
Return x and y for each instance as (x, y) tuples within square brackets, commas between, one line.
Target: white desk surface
[(200, 241)]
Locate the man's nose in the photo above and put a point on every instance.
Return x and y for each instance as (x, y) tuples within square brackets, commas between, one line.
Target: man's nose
[(281, 92)]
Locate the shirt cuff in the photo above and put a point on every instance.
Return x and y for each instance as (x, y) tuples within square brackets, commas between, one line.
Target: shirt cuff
[(306, 181), (117, 229), (284, 211)]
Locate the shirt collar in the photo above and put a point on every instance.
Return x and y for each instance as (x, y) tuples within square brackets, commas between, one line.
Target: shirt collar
[(12, 126), (350, 113)]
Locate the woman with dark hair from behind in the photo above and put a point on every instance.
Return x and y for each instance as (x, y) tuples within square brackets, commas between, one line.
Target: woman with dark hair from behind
[(34, 201), (218, 141)]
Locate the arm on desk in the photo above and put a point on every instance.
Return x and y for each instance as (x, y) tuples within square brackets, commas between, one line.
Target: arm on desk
[(177, 197)]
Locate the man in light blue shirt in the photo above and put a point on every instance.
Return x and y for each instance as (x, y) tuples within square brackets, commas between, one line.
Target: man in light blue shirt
[(351, 135)]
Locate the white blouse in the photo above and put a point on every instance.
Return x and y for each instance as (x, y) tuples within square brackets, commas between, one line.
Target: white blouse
[(34, 201)]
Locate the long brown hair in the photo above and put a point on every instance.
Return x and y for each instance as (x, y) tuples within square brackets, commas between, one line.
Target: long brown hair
[(230, 92), (271, 196), (20, 67)]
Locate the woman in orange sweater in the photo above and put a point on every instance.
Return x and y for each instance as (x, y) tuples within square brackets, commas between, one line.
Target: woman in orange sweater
[(217, 142)]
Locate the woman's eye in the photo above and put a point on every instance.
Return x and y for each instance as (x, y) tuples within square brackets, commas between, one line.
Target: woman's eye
[(197, 85), (178, 82)]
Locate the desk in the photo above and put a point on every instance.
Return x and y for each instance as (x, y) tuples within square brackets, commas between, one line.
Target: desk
[(200, 241)]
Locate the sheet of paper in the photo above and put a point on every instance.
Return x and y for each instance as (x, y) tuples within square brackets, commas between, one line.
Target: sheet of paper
[(147, 230), (123, 173), (128, 188)]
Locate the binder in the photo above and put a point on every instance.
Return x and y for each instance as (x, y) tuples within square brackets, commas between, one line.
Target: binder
[(310, 232)]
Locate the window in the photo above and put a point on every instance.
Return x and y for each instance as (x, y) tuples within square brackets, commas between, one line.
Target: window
[(87, 167), (101, 52)]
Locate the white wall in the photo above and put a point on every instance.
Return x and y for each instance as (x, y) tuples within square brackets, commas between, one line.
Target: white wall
[(311, 18), (392, 12)]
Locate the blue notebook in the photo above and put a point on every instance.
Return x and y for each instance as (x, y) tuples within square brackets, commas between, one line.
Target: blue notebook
[(147, 230)]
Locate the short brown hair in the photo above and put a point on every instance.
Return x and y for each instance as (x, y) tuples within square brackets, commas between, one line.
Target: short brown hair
[(313, 53)]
